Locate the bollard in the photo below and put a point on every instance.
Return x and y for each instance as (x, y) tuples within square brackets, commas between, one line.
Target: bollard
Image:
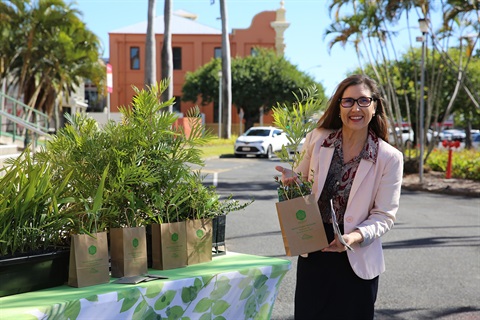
[(450, 145)]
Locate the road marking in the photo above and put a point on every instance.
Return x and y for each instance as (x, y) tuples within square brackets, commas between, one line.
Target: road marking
[(215, 179), (220, 170)]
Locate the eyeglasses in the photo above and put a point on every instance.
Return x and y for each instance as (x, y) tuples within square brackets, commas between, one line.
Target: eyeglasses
[(362, 102)]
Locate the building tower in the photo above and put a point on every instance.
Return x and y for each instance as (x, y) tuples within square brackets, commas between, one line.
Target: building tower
[(280, 25)]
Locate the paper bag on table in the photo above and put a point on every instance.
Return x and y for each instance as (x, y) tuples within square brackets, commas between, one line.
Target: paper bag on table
[(88, 260), (301, 225), (199, 241), (128, 251), (169, 245)]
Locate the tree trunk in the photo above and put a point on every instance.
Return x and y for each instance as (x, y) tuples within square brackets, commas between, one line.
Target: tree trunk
[(150, 65), (249, 122), (226, 75), (167, 55)]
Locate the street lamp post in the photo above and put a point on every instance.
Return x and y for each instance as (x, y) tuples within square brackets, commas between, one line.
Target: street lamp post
[(220, 104), (424, 28)]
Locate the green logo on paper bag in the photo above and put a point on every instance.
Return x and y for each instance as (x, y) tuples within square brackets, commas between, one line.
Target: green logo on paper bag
[(92, 250), (306, 237), (135, 242), (200, 233), (301, 215), (175, 237)]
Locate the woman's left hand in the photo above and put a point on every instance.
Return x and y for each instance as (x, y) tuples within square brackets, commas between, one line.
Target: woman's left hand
[(349, 238), (336, 245)]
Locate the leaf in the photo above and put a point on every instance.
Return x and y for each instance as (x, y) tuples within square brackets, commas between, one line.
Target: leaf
[(139, 311), (246, 292), (131, 298), (245, 282), (262, 295), (175, 312), (205, 316), (150, 314), (97, 203), (203, 305), (250, 307), (165, 300), (206, 279), (189, 294), (223, 286), (93, 298), (153, 291), (72, 310), (198, 283), (220, 306), (260, 281), (264, 312)]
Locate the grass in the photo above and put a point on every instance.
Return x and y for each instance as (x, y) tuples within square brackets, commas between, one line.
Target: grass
[(218, 147)]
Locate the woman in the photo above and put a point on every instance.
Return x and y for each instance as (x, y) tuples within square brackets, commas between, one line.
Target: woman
[(361, 173)]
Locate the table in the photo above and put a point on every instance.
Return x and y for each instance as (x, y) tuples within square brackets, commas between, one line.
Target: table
[(232, 286)]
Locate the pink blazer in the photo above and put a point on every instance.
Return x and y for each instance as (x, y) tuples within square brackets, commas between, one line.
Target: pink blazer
[(373, 201)]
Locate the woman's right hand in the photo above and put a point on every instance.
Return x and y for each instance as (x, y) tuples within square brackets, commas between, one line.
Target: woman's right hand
[(288, 176)]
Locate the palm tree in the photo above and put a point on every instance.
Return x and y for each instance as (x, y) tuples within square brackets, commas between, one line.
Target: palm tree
[(167, 55), (372, 20), (226, 94), (150, 56), (54, 52)]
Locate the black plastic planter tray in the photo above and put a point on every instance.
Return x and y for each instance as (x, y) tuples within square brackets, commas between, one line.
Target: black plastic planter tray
[(35, 272)]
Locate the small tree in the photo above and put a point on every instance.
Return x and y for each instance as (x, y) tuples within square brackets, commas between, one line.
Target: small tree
[(295, 120), (258, 81)]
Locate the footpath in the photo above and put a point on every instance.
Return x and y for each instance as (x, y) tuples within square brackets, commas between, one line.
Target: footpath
[(436, 182)]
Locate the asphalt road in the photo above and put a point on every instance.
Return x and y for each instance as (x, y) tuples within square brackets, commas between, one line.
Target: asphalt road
[(432, 254)]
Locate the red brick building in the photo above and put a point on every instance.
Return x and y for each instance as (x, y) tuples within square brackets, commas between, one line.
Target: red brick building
[(193, 45)]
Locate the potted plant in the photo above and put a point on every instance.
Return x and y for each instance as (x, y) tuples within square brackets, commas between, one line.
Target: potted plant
[(89, 261), (298, 213), (205, 213), (34, 226)]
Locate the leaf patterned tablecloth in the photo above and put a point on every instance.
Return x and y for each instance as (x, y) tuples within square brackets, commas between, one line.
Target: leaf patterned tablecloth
[(234, 286)]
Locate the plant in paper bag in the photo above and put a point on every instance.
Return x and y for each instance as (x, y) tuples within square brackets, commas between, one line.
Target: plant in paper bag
[(296, 121), (87, 212)]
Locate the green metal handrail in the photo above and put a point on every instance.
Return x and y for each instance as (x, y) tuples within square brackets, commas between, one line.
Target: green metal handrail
[(20, 119)]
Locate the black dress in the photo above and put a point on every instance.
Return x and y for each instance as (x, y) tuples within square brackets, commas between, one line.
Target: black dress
[(328, 288)]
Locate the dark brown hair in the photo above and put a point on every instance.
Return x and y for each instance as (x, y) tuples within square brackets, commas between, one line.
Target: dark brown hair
[(331, 117)]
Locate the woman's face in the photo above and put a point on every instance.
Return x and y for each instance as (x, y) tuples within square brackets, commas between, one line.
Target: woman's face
[(356, 117)]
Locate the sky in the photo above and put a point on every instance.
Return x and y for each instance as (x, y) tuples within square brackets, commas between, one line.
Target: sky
[(306, 45)]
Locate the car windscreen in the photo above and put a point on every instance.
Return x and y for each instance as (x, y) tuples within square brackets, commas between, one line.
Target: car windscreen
[(258, 133)]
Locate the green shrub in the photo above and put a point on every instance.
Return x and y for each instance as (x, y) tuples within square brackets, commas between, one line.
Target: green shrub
[(465, 163)]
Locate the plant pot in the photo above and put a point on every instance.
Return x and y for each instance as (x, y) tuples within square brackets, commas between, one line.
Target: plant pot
[(35, 272), (218, 235)]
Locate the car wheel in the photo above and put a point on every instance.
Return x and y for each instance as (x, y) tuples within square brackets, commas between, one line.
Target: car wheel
[(269, 153)]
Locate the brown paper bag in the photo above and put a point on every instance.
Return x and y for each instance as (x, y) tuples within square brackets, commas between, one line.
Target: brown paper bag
[(199, 241), (88, 260), (301, 225), (169, 245), (128, 251)]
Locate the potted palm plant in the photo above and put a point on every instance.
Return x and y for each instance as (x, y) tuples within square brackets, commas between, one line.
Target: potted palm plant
[(298, 213)]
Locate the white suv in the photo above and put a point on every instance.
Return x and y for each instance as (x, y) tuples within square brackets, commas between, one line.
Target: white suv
[(260, 141)]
